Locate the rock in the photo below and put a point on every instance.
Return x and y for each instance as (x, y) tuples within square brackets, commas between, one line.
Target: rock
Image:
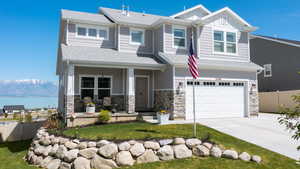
[(151, 145), (76, 141), (81, 163), (29, 155), (165, 153), (201, 150), (256, 158), (231, 154), (207, 145), (137, 149), (46, 161), (101, 163), (45, 141), (125, 146), (39, 150), (53, 164), (132, 142), (102, 143), (54, 150), (38, 160), (33, 159), (193, 142), (47, 150), (91, 144), (245, 156), (65, 165), (124, 158), (54, 141), (147, 157), (82, 145), (216, 152), (109, 150), (178, 141), (70, 145), (181, 151), (61, 151), (88, 153), (71, 155), (165, 142), (62, 140)]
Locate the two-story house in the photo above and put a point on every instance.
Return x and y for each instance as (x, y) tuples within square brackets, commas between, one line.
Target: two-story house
[(139, 60)]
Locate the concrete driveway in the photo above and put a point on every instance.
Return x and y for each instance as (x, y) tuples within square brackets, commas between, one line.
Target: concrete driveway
[(263, 131)]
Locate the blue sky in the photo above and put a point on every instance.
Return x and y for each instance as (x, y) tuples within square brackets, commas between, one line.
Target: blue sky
[(29, 28)]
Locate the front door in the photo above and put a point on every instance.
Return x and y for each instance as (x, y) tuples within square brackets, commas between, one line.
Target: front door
[(141, 93)]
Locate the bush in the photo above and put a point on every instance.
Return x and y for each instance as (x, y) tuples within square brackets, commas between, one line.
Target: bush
[(104, 116), (15, 116), (28, 117)]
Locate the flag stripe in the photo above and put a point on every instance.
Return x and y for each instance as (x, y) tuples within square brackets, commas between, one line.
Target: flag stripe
[(192, 62)]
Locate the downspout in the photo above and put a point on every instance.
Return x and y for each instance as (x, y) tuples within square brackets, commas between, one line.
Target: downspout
[(67, 33)]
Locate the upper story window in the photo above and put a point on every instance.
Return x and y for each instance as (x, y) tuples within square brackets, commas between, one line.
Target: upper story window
[(179, 37), (92, 32), (225, 42), (268, 70), (137, 36)]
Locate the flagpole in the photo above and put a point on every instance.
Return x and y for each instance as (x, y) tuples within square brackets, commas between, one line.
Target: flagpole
[(194, 112)]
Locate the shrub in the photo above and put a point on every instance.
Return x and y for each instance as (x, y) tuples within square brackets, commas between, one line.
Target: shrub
[(28, 117), (104, 116), (15, 116), (5, 115)]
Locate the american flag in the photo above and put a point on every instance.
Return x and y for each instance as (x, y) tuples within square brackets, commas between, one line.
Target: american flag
[(192, 62)]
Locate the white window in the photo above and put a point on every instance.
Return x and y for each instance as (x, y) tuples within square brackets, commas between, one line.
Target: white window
[(81, 31), (179, 37), (92, 32), (95, 85), (225, 42), (137, 36), (103, 33), (268, 70)]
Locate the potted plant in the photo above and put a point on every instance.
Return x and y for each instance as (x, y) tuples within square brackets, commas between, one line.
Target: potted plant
[(90, 107), (163, 116)]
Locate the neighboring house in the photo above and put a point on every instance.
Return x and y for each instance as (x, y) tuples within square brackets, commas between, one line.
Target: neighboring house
[(10, 109), (139, 60), (281, 61)]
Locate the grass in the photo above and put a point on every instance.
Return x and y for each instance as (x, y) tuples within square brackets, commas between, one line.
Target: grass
[(11, 154)]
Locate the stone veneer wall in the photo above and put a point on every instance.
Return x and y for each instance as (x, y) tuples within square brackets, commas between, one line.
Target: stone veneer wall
[(253, 98), (52, 152), (69, 104), (164, 99), (179, 98)]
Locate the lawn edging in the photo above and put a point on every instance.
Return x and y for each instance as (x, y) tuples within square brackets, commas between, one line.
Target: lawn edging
[(50, 151)]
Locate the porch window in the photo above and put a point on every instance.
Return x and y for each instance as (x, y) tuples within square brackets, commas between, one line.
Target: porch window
[(104, 87), (87, 87)]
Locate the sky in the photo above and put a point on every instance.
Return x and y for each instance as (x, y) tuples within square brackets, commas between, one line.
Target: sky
[(29, 28)]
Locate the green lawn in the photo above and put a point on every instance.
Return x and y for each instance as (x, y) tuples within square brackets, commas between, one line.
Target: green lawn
[(11, 153)]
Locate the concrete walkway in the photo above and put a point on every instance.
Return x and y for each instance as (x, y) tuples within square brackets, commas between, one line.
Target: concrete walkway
[(264, 131)]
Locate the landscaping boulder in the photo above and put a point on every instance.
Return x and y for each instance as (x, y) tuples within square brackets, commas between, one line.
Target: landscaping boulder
[(216, 152), (147, 157), (245, 156), (54, 150), (39, 160), (124, 146), (101, 163), (256, 158), (178, 141), (61, 151), (192, 142), (47, 150), (53, 164), (81, 163), (102, 143), (82, 145), (76, 141), (29, 155), (132, 142), (65, 165), (201, 150), (62, 140), (71, 155), (54, 141), (70, 145), (124, 158), (231, 154), (137, 149), (45, 141), (109, 150), (151, 145), (88, 153), (208, 145), (91, 144), (46, 161), (165, 142), (165, 153), (39, 150), (181, 151)]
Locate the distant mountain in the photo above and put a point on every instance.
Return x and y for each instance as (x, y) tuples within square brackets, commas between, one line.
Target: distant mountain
[(28, 87)]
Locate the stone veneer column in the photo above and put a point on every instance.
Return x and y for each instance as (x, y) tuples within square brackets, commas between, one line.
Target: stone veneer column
[(130, 91), (69, 96), (179, 98), (253, 98)]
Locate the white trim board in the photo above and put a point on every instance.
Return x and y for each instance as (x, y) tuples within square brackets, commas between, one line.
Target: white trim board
[(200, 6)]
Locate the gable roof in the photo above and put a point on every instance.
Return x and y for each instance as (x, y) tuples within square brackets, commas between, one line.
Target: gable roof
[(13, 107), (85, 17), (200, 6), (278, 40)]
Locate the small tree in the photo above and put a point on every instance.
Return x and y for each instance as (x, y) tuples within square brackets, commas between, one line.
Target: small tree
[(291, 118)]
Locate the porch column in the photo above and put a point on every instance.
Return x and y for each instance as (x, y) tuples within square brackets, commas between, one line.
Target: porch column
[(69, 96), (130, 91)]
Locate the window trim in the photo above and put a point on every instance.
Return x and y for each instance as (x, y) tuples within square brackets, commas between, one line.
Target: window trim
[(96, 88), (185, 37), (87, 27), (265, 75), (225, 42), (143, 37)]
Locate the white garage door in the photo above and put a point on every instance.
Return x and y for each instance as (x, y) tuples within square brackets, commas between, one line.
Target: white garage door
[(215, 99)]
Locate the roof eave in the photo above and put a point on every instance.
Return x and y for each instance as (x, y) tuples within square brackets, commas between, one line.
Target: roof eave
[(191, 9)]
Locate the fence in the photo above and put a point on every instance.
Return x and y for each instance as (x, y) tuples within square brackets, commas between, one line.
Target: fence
[(272, 101)]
